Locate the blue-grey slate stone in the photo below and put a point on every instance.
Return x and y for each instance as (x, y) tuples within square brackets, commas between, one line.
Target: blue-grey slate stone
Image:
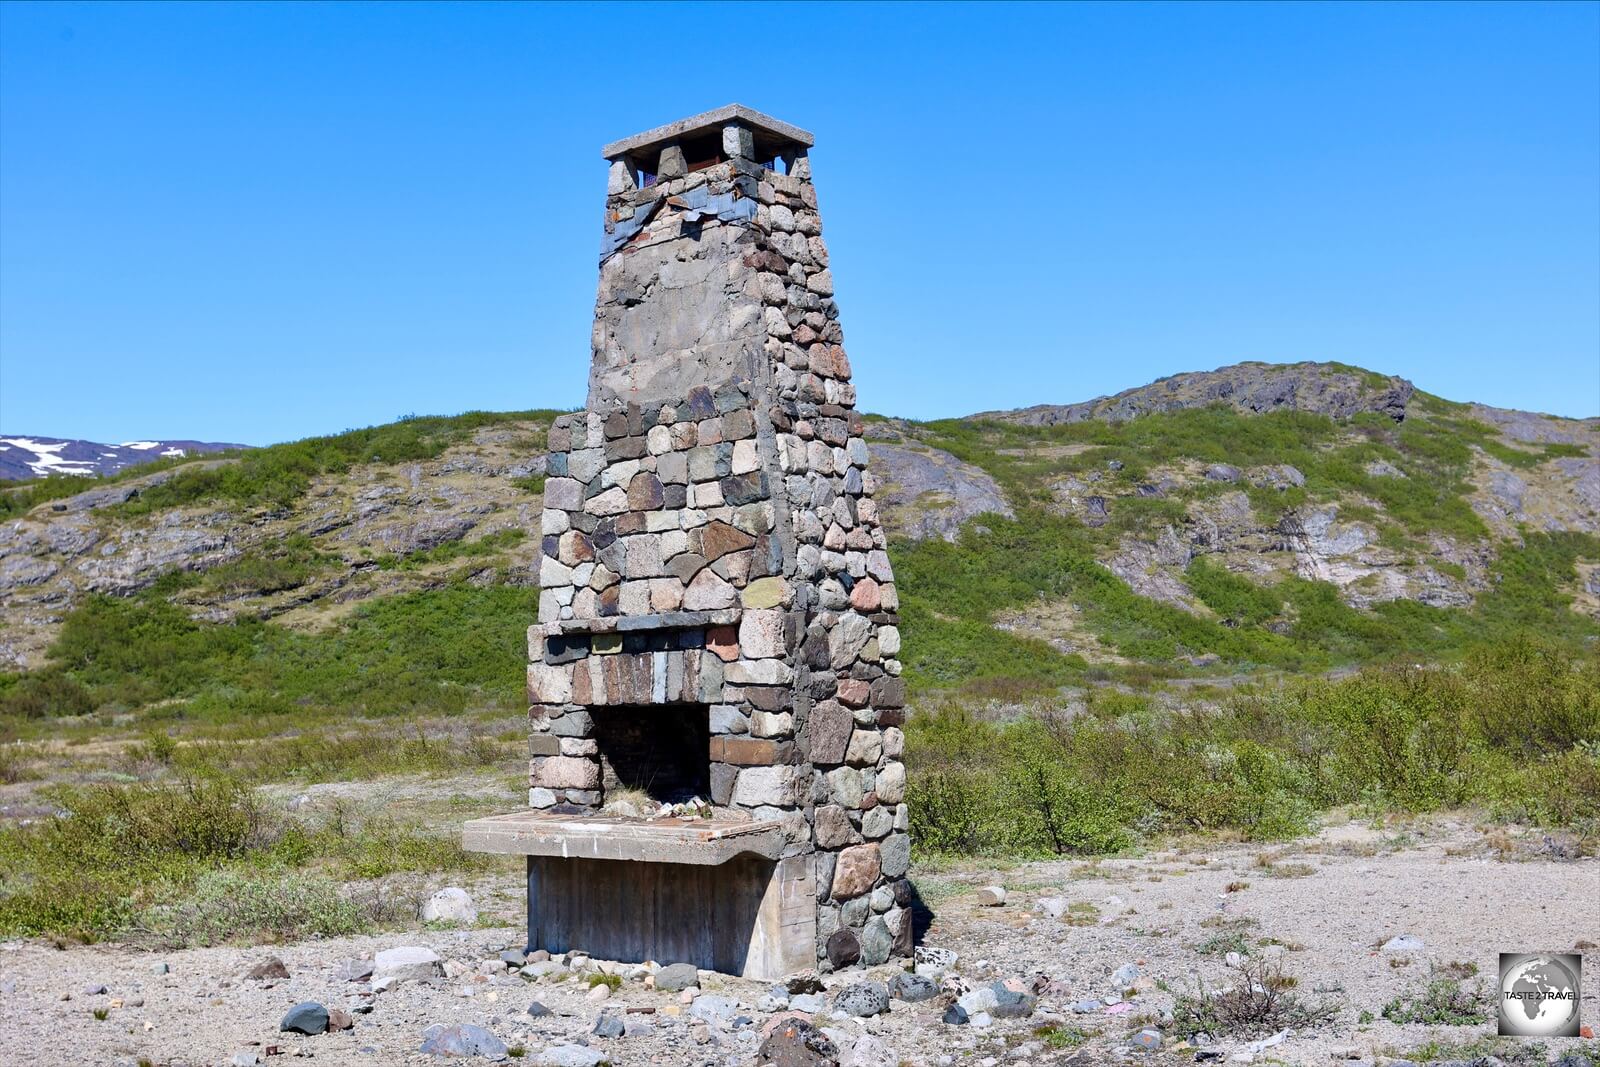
[(307, 1017), (677, 976), (913, 987)]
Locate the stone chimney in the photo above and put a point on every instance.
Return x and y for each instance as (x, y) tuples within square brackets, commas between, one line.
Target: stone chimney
[(717, 613)]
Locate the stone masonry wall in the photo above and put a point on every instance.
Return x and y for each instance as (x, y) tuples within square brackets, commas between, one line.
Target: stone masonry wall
[(710, 536)]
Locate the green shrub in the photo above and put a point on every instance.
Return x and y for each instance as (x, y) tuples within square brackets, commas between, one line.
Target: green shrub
[(43, 695), (225, 906), (441, 651), (1263, 760), (1442, 1003)]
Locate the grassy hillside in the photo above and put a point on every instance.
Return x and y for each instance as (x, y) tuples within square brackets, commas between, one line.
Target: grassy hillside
[(1148, 471), (1141, 649)]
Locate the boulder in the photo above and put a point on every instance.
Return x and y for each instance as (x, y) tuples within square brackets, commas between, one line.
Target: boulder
[(992, 896), (462, 1039), (713, 1008), (863, 999), (869, 1051), (796, 1042), (353, 971), (912, 987), (676, 976), (272, 967), (1014, 999), (450, 905), (408, 963), (806, 981), (307, 1017), (571, 1056)]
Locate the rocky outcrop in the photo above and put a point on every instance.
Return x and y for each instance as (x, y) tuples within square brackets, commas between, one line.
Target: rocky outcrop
[(1320, 388), (925, 492), (360, 524)]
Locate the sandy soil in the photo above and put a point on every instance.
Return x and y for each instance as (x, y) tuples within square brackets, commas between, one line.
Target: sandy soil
[(1328, 901)]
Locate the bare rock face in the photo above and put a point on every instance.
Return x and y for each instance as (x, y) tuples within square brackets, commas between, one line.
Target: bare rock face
[(926, 492), (1319, 388), (58, 552)]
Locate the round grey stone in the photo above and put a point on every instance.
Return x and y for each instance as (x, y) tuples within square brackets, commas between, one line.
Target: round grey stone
[(863, 999), (677, 976), (913, 987)]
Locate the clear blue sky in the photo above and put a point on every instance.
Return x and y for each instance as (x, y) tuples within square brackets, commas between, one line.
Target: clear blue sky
[(253, 223)]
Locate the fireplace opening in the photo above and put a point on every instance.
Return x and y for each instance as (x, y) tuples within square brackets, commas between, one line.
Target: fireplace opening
[(662, 750)]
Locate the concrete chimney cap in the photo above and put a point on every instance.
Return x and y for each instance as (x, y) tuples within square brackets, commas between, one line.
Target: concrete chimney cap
[(706, 122)]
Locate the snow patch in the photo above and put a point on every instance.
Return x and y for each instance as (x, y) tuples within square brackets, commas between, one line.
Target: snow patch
[(46, 461)]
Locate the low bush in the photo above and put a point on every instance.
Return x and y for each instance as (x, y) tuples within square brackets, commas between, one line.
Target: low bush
[(1263, 761), (201, 861), (248, 906), (1442, 1003), (1259, 1001)]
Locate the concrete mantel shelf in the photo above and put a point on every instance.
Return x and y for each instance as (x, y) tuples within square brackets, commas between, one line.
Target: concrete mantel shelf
[(622, 624), (612, 837), (707, 121)]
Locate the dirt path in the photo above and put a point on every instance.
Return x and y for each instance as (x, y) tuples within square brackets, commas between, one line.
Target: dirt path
[(1328, 902)]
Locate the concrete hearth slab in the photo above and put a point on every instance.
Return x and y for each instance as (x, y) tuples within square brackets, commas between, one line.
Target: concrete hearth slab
[(608, 837)]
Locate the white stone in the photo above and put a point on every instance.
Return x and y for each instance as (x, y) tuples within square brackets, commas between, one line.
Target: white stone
[(761, 633), (658, 440), (552, 573), (409, 963), (771, 724), (757, 672), (620, 473), (847, 638), (991, 896), (585, 463), (890, 784), (864, 749), (549, 684), (451, 904), (757, 786), (613, 501), (707, 592), (745, 456)]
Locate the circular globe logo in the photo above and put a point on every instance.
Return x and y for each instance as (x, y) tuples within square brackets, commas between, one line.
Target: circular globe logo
[(1539, 995)]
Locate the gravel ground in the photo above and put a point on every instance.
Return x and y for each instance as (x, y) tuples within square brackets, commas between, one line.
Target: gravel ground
[(1328, 902)]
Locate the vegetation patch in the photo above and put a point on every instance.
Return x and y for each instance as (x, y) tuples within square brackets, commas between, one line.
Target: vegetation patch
[(1442, 1003), (1515, 728), (1260, 1000), (200, 862)]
